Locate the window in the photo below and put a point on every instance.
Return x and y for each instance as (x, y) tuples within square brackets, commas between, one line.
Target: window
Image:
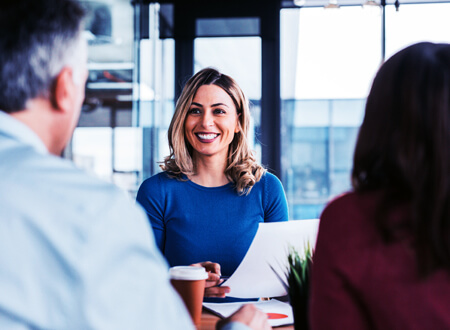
[(416, 23), (328, 61), (105, 143), (327, 65)]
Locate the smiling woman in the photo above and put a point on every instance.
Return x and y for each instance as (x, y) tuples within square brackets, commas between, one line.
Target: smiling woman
[(212, 195), (214, 95)]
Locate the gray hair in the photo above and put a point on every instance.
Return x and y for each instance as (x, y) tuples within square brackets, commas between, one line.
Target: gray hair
[(41, 37)]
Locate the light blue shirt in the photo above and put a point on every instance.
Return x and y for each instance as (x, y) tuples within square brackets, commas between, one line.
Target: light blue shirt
[(75, 252)]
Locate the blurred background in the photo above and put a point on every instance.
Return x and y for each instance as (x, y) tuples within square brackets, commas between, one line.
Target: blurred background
[(306, 66)]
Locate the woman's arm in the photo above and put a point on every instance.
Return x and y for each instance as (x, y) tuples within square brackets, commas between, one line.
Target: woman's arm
[(150, 196), (274, 199)]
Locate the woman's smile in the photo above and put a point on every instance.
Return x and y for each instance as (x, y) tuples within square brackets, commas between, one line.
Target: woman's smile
[(207, 137)]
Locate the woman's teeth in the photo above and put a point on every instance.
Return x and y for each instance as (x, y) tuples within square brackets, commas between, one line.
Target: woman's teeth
[(207, 136)]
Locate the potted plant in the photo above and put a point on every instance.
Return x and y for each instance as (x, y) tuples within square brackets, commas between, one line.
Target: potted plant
[(297, 284)]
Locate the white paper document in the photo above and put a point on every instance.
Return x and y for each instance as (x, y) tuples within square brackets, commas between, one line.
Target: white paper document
[(254, 277), (279, 313)]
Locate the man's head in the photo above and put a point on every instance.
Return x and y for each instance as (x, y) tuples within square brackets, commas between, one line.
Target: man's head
[(42, 60)]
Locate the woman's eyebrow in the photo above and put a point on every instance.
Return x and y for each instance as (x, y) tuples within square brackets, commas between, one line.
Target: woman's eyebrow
[(212, 105), (219, 104)]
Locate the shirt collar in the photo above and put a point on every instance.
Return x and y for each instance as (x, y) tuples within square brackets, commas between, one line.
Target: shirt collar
[(17, 130)]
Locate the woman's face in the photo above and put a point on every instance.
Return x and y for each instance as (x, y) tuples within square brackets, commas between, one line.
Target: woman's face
[(211, 122)]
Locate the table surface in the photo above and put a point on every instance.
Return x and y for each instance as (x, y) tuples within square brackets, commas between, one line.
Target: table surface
[(209, 321)]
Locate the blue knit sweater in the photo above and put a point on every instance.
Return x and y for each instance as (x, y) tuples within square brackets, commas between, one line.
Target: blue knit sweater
[(193, 223)]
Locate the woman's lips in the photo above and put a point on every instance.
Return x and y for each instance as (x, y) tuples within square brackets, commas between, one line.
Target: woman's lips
[(206, 137)]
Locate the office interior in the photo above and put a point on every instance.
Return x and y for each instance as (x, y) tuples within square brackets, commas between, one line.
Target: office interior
[(305, 65)]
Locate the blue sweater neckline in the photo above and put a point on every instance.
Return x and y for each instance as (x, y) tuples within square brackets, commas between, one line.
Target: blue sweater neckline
[(195, 185)]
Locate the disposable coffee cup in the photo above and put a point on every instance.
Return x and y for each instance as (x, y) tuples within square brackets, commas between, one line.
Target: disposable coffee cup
[(189, 282)]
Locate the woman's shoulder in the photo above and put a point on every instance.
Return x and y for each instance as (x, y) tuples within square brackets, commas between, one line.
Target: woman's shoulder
[(159, 180), (270, 182), (160, 186), (269, 179), (341, 200), (156, 178), (269, 185), (351, 200), (339, 204), (351, 210)]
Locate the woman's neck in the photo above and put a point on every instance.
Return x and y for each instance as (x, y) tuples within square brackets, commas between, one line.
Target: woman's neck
[(210, 172)]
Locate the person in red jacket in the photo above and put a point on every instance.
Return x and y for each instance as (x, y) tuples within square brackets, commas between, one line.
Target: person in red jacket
[(382, 256)]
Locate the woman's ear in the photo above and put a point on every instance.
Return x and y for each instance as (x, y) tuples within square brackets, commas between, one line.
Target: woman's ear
[(238, 124)]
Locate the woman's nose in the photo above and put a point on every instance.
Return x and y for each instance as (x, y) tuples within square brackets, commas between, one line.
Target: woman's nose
[(207, 120)]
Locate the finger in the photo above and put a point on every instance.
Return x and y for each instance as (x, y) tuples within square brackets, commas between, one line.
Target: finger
[(212, 284), (209, 266), (260, 320), (223, 295), (216, 295), (214, 279), (249, 309), (216, 292), (212, 267), (202, 264), (215, 268), (252, 317)]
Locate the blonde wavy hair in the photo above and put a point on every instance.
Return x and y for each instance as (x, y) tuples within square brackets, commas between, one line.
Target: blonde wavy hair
[(242, 168)]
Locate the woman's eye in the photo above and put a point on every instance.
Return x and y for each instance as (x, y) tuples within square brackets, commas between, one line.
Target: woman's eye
[(194, 111), (219, 111)]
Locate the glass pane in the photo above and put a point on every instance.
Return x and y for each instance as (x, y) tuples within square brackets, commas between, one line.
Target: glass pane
[(111, 148), (156, 99), (226, 27), (338, 52), (415, 23), (127, 158), (92, 150), (114, 155), (327, 67), (97, 144), (240, 58), (109, 30)]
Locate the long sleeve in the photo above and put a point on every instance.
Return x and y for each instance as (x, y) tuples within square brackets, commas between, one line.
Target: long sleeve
[(274, 200), (151, 197)]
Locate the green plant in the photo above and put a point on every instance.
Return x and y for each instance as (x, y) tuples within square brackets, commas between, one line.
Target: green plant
[(298, 279), (297, 284)]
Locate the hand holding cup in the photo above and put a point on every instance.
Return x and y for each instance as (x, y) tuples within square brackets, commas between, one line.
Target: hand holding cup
[(211, 287)]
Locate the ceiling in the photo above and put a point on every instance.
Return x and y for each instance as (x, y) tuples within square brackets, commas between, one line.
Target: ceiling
[(287, 3), (320, 3)]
